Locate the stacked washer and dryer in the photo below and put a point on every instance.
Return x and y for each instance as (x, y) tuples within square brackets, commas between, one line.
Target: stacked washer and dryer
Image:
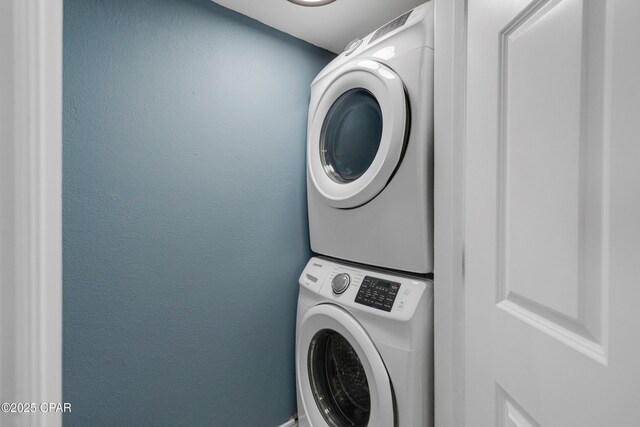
[(364, 334)]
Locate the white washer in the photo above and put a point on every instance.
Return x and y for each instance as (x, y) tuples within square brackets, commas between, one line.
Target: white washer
[(370, 148), (364, 347)]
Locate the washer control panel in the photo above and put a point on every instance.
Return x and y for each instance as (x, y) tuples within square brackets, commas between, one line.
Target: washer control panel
[(387, 294), (377, 293)]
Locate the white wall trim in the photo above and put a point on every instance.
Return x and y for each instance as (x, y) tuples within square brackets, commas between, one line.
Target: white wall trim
[(31, 205), (290, 423), (449, 303)]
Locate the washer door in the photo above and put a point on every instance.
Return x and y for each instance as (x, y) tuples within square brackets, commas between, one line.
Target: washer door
[(342, 379), (357, 134)]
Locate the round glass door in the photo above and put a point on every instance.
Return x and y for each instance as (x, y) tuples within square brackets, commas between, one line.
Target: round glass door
[(338, 381), (357, 133), (342, 379), (350, 135)]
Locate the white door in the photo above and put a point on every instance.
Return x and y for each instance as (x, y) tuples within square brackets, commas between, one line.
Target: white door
[(552, 213)]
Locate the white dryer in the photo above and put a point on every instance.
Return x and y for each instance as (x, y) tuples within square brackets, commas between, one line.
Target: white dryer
[(370, 148), (364, 347)]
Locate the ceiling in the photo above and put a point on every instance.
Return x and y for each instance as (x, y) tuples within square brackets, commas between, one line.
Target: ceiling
[(330, 27)]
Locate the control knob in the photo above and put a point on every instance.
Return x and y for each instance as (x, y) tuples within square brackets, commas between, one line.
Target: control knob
[(340, 283)]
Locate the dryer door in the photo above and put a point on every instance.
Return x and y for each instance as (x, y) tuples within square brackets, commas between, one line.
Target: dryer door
[(341, 376), (357, 134)]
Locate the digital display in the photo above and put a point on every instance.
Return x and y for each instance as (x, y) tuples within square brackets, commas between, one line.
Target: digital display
[(385, 285)]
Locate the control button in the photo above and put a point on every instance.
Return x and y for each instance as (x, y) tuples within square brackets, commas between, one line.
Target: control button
[(340, 283)]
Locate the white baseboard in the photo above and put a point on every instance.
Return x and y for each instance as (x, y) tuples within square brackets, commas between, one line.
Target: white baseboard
[(291, 423)]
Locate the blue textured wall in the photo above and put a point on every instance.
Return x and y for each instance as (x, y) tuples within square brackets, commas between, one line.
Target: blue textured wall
[(184, 213)]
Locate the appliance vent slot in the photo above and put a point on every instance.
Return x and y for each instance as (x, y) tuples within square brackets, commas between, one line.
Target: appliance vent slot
[(393, 25)]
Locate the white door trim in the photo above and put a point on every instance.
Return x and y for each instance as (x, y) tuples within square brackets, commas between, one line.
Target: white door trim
[(450, 106), (31, 210), (290, 423)]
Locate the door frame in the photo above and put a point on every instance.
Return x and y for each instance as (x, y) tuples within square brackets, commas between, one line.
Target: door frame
[(449, 152), (31, 209), (34, 136)]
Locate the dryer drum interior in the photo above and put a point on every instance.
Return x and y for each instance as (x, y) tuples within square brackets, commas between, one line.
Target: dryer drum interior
[(339, 382), (350, 135)]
